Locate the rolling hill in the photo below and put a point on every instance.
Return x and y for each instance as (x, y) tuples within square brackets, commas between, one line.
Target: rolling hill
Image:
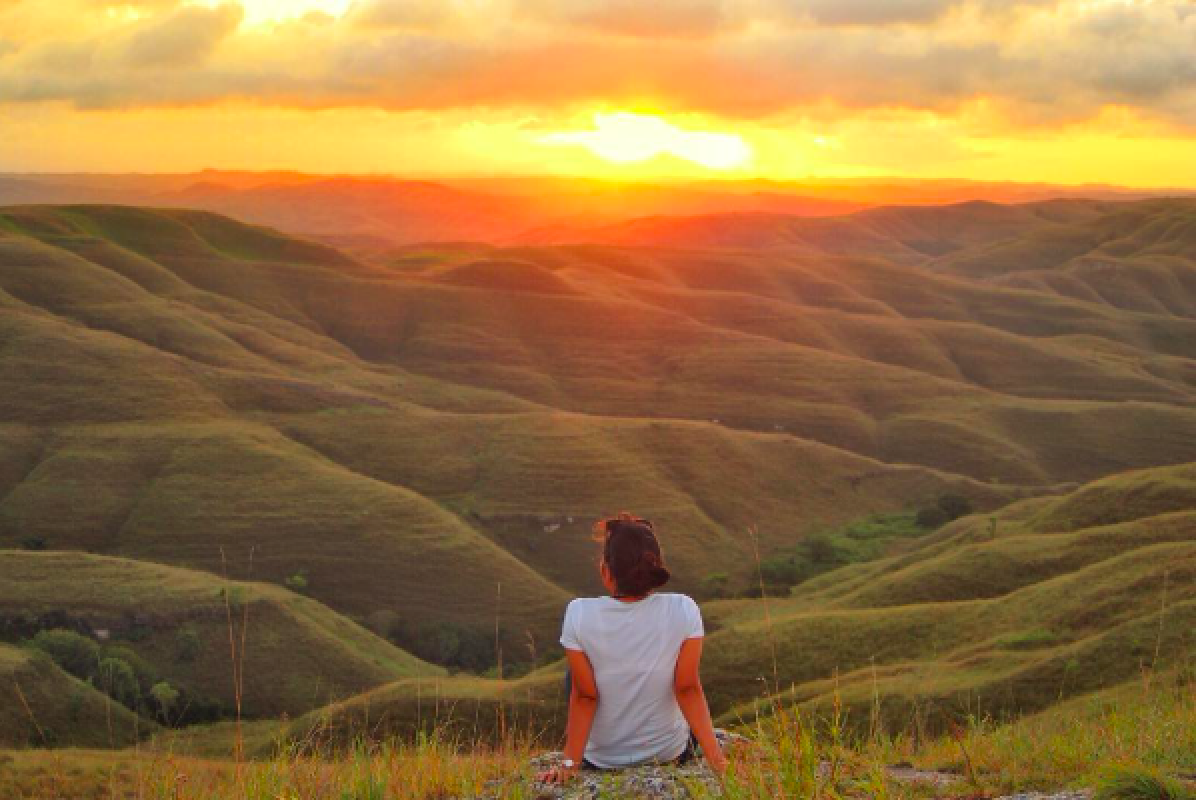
[(996, 614), (423, 437), (176, 621)]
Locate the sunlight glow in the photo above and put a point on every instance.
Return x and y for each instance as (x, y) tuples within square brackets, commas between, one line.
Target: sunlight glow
[(623, 137)]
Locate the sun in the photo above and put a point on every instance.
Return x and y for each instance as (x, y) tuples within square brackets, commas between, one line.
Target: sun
[(624, 137)]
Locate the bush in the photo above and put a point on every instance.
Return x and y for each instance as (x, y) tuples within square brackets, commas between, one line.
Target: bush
[(449, 644), (194, 709), (716, 585), (932, 517), (298, 583), (384, 623), (34, 543), (821, 549), (143, 671), (954, 505), (117, 680), (783, 571), (187, 644), (165, 697), (75, 653)]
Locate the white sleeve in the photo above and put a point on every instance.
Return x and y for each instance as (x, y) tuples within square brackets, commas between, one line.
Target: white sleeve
[(570, 629), (693, 623)]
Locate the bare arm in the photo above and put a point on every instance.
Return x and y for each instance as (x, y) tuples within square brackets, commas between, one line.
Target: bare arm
[(581, 711), (692, 702)]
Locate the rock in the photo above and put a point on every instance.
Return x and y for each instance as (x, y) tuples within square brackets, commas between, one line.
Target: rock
[(650, 782)]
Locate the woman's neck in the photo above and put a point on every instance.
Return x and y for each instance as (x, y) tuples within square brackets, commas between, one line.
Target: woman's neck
[(629, 598)]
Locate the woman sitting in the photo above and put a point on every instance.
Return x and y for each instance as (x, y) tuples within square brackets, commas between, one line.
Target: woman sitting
[(634, 659)]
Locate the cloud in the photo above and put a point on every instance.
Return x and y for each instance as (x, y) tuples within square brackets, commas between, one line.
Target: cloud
[(406, 14), (646, 18), (185, 36), (869, 12), (1051, 62)]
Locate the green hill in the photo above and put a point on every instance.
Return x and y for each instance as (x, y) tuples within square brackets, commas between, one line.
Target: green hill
[(967, 620), (422, 441), (1008, 613), (40, 705), (297, 653)]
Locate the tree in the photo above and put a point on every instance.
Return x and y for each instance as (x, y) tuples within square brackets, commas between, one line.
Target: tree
[(165, 697), (75, 653), (116, 679)]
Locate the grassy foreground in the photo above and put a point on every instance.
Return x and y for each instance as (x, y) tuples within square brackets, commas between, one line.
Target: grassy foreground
[(1132, 741)]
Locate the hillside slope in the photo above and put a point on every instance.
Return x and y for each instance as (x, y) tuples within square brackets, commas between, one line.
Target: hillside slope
[(298, 654), (970, 620), (40, 705), (454, 418)]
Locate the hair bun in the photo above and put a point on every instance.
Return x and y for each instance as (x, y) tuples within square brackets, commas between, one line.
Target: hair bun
[(632, 554)]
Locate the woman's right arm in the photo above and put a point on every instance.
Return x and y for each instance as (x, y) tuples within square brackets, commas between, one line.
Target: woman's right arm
[(694, 705), (582, 709)]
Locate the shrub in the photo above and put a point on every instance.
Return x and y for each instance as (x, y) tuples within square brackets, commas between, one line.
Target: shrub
[(298, 582), (187, 644), (34, 543), (821, 549), (117, 680), (143, 671), (75, 653), (716, 585), (954, 505), (932, 517), (384, 623), (165, 697), (783, 571), (194, 709)]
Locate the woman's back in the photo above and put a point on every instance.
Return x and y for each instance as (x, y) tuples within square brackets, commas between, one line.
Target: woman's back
[(633, 648)]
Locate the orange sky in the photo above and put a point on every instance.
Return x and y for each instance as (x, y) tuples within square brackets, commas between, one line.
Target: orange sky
[(1025, 90)]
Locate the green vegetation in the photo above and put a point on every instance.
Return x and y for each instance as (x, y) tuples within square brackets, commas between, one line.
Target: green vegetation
[(170, 624), (1141, 784), (823, 551), (1134, 742), (966, 481)]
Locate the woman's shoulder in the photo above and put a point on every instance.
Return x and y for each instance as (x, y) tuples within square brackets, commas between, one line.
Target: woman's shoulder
[(677, 600)]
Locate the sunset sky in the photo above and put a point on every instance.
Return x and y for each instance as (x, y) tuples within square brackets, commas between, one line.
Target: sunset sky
[(1024, 90)]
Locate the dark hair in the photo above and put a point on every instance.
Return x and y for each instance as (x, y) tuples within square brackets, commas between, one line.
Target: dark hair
[(632, 554)]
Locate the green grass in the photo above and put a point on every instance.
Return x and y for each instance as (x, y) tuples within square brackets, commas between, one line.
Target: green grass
[(1136, 742)]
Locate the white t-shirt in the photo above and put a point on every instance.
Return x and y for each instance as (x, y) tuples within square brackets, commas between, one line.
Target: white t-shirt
[(633, 648)]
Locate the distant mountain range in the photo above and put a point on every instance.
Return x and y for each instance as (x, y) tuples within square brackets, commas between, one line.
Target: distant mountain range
[(369, 213)]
